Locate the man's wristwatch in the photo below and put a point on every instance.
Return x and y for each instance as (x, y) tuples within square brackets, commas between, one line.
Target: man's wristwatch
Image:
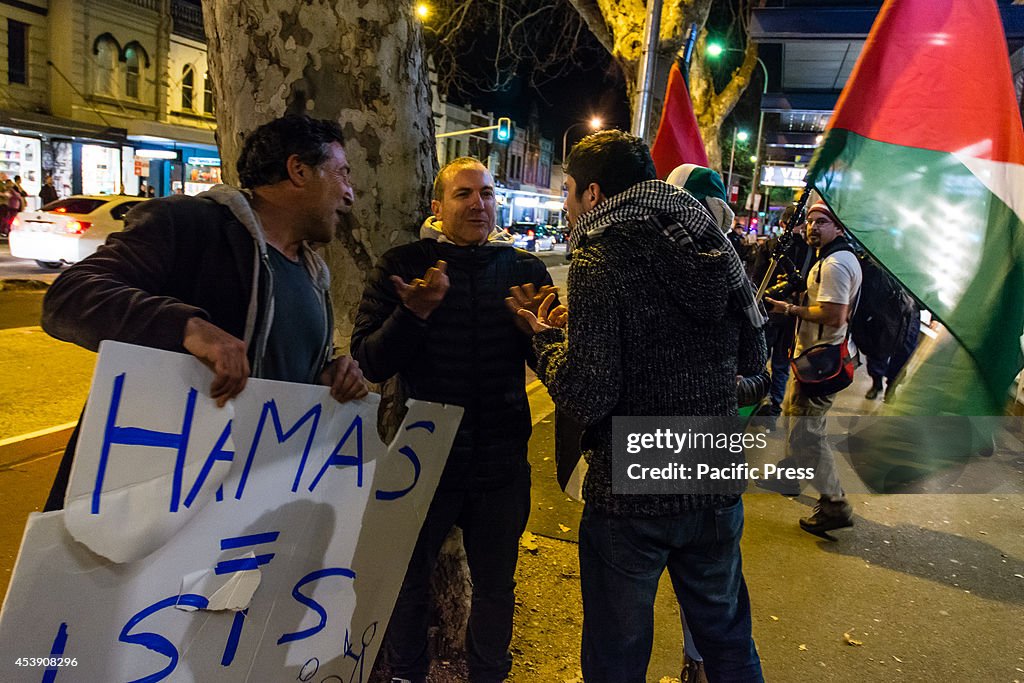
[(789, 308)]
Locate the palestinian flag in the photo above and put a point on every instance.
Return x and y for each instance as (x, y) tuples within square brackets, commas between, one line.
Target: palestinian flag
[(678, 138), (923, 161)]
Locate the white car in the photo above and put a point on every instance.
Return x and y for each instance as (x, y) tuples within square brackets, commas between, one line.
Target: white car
[(531, 237), (68, 230)]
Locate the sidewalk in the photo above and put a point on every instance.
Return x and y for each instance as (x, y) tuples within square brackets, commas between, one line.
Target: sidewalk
[(930, 586)]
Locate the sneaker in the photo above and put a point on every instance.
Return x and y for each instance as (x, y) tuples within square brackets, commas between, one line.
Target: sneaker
[(693, 671), (828, 516), (874, 391)]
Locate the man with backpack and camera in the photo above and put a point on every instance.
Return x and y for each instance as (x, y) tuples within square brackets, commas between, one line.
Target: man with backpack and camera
[(833, 284)]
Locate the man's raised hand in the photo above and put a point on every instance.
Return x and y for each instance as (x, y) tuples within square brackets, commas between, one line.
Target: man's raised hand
[(423, 295)]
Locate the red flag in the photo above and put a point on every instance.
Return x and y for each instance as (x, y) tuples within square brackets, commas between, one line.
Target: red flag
[(678, 140)]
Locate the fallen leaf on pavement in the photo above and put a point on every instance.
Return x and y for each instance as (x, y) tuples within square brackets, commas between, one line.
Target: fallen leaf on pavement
[(848, 639), (802, 647), (563, 528), (528, 541)]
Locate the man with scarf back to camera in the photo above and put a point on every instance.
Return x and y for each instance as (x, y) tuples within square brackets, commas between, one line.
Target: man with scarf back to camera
[(662, 320), (434, 314), (833, 283)]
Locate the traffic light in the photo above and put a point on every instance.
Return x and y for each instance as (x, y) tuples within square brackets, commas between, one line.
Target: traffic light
[(504, 129)]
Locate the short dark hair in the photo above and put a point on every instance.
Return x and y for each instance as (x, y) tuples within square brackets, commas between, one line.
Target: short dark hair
[(265, 152), (614, 160), (453, 166)]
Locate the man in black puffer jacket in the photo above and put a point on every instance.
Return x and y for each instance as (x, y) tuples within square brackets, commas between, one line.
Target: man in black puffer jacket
[(434, 313)]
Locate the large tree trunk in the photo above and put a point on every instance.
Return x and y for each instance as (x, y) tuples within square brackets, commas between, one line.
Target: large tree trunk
[(361, 64), (356, 62)]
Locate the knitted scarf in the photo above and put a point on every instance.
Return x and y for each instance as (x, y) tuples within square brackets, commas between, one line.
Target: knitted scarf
[(683, 220)]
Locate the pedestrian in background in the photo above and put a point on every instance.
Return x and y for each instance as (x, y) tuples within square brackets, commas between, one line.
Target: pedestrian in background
[(48, 193), (833, 284)]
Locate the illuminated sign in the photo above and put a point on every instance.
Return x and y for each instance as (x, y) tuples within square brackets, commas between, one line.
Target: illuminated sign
[(783, 176)]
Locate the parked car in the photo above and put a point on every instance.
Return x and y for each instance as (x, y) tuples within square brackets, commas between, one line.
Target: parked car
[(68, 230), (531, 237)]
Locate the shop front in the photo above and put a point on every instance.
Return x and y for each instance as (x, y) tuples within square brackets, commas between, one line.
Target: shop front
[(201, 173), (21, 156), (522, 206)]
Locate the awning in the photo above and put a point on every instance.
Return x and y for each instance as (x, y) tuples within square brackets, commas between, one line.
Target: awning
[(19, 123)]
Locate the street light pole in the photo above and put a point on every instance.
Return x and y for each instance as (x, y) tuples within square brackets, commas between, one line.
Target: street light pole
[(645, 76), (715, 49), (732, 155), (756, 180), (594, 123)]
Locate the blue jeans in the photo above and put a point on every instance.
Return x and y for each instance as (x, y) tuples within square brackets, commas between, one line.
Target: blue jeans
[(621, 561)]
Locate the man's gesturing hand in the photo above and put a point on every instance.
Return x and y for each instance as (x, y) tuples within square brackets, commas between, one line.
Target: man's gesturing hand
[(222, 353), (543, 318), (345, 379), (423, 295), (528, 298)]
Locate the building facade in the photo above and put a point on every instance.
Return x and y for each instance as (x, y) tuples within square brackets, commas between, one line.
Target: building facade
[(107, 96)]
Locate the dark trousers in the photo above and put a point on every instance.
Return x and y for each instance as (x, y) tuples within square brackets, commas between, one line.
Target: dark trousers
[(890, 367), (778, 335), (621, 561), (491, 522)]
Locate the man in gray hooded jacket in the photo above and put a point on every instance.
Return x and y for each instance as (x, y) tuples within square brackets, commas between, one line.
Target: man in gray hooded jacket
[(228, 275)]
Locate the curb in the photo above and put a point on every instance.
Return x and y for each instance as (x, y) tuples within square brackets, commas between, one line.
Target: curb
[(23, 285), (44, 441)]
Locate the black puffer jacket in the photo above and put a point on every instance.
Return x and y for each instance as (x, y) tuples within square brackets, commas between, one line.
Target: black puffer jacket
[(468, 353)]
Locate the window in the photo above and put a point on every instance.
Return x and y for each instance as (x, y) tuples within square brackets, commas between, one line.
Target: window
[(105, 54), (17, 52), (118, 212), (131, 80), (188, 75), (207, 94)]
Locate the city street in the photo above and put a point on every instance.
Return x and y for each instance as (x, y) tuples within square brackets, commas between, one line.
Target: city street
[(931, 587)]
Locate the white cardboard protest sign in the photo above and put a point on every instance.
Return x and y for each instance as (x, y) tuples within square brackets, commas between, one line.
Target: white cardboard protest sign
[(262, 541)]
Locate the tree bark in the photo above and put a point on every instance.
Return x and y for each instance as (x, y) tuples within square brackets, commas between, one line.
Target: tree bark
[(361, 64), (355, 62)]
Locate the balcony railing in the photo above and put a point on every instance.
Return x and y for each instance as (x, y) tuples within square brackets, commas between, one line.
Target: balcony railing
[(188, 20)]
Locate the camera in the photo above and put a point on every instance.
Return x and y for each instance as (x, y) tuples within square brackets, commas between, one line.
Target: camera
[(784, 289)]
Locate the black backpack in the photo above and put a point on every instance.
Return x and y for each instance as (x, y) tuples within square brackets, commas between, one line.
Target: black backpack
[(884, 313)]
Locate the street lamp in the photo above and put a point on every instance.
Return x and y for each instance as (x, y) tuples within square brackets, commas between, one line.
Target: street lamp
[(742, 136), (595, 123), (714, 50), (423, 10)]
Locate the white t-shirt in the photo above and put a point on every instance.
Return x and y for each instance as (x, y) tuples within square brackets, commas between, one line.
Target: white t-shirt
[(839, 283)]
